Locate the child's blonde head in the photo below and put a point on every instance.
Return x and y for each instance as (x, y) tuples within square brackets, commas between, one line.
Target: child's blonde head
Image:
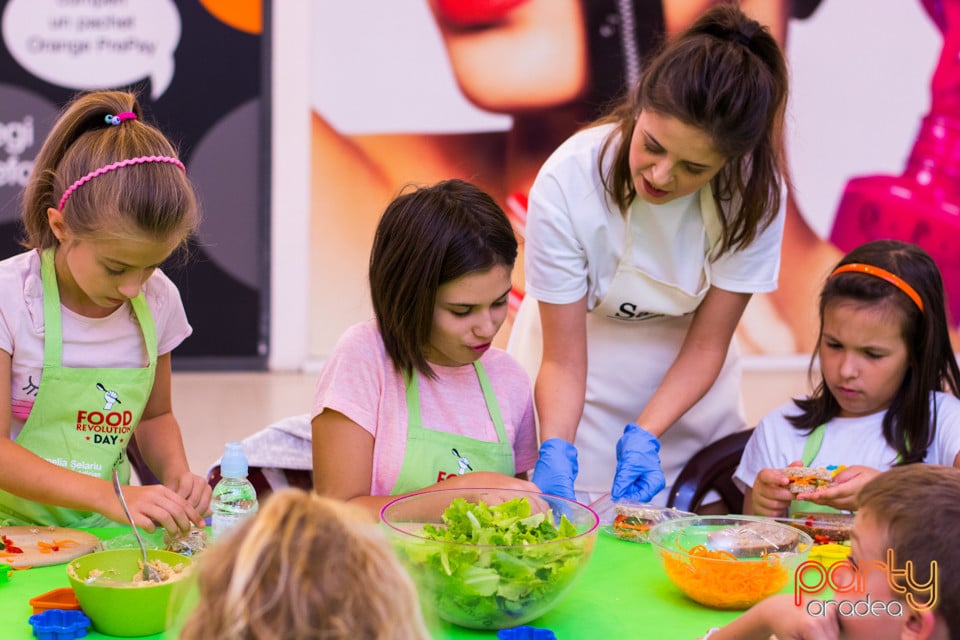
[(154, 200), (305, 566)]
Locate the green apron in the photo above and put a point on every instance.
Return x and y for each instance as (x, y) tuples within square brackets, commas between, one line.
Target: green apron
[(432, 455), (82, 419)]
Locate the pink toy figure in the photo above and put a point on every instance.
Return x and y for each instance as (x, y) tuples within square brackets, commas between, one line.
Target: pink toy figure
[(922, 205)]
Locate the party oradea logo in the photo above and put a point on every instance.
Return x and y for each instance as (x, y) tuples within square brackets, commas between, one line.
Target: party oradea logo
[(846, 578)]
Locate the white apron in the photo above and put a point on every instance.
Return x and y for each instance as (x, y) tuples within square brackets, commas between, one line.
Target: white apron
[(627, 358)]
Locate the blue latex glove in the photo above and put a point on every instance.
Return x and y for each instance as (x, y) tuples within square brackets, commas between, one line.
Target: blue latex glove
[(556, 468), (639, 476)]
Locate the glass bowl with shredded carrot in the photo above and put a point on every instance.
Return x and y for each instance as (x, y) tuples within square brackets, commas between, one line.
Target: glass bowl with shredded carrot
[(729, 562)]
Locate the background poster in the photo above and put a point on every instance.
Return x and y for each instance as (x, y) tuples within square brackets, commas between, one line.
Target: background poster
[(198, 68), (396, 99)]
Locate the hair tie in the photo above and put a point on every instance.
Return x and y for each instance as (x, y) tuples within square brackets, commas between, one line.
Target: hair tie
[(883, 274), (113, 167), (120, 117)]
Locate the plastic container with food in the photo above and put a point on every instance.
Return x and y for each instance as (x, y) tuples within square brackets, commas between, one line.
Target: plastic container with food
[(630, 520), (823, 526)]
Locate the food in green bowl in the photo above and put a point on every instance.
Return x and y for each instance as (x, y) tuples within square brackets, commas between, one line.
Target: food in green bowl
[(490, 558), (110, 590)]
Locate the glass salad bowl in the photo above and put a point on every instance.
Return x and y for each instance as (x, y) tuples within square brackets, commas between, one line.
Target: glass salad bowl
[(490, 558), (729, 562)]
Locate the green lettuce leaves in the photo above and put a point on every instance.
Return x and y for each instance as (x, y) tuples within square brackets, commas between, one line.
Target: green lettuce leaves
[(487, 567)]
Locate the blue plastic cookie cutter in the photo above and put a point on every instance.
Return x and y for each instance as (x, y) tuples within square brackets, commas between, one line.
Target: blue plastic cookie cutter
[(59, 624), (526, 633)]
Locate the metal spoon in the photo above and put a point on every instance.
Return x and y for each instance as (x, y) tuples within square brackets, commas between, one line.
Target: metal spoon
[(149, 573)]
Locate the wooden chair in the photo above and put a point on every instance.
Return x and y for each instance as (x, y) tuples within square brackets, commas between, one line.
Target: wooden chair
[(711, 468)]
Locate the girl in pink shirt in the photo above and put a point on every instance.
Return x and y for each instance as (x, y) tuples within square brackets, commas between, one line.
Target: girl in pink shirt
[(419, 396)]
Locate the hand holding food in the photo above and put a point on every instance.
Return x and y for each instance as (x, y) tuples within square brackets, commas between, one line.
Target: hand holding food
[(556, 468), (770, 495), (195, 490), (639, 476), (154, 505), (841, 492)]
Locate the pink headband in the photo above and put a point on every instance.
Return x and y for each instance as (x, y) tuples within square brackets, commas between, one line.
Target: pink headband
[(113, 167)]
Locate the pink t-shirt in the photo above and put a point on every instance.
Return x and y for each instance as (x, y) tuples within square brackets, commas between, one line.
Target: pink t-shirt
[(360, 381), (113, 341)]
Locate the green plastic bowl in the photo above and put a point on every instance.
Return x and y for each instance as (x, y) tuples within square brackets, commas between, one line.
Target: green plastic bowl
[(117, 609)]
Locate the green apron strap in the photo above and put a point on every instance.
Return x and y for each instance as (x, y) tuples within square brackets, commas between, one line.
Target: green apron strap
[(812, 446), (492, 405), (52, 327)]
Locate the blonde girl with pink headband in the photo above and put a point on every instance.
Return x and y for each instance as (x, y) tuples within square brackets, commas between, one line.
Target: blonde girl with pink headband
[(887, 393), (87, 324)]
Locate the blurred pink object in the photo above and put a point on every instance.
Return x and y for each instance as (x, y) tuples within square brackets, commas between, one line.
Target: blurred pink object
[(923, 204)]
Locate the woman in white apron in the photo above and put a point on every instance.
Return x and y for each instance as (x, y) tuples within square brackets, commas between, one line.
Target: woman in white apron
[(646, 236)]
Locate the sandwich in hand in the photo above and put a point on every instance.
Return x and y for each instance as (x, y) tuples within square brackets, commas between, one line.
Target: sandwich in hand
[(807, 479)]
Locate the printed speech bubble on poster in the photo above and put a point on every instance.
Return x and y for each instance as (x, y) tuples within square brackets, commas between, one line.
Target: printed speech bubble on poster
[(94, 44)]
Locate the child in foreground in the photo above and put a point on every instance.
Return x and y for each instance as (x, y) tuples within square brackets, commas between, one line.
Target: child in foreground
[(908, 514), (304, 566), (418, 398), (888, 390), (87, 324)]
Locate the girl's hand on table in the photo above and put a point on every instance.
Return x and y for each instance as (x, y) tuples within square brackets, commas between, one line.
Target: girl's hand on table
[(494, 481), (770, 495), (154, 505), (486, 480), (842, 493), (195, 490)]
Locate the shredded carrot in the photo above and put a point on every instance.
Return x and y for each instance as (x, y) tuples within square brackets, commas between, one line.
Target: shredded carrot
[(719, 579), (56, 545)]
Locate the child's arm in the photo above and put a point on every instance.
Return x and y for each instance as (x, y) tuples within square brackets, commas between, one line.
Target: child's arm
[(36, 479), (779, 616), (343, 465), (161, 444)]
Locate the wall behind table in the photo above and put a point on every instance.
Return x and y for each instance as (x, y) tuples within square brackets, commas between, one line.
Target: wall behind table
[(385, 98), (199, 69)]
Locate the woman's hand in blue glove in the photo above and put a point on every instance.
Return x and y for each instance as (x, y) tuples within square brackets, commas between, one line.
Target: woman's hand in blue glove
[(639, 476), (556, 468)]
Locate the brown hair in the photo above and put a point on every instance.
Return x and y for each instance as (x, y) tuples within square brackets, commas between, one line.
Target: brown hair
[(155, 199), (426, 238), (305, 566), (910, 422), (919, 507), (726, 76)]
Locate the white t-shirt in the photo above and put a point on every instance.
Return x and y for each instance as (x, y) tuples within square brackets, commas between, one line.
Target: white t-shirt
[(776, 443), (360, 381), (575, 234), (114, 341)]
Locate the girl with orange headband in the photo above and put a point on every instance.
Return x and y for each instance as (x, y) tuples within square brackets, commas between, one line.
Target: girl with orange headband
[(887, 394), (87, 324)]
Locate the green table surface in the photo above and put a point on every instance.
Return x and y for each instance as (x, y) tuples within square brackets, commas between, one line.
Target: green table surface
[(623, 593)]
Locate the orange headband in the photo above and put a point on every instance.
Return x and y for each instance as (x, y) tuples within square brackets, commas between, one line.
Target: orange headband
[(883, 274)]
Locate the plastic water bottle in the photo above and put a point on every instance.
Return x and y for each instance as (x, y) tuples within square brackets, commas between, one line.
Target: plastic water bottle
[(234, 498)]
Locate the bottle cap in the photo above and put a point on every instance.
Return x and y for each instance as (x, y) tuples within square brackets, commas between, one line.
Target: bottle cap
[(234, 461)]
